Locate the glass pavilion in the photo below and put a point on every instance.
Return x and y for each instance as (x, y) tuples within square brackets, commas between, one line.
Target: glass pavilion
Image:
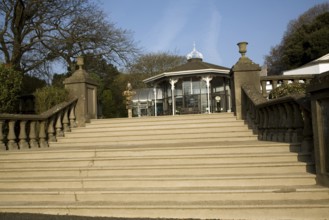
[(195, 87)]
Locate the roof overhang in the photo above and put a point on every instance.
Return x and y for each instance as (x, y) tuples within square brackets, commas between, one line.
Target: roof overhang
[(187, 73)]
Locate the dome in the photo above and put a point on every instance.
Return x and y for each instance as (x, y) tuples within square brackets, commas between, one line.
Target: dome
[(194, 54)]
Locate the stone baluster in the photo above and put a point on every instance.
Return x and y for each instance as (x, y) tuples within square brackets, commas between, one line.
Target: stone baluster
[(51, 130), (289, 122), (22, 135), (43, 135), (276, 123), (261, 124), (59, 130), (270, 123), (297, 123), (72, 118), (282, 121), (307, 143), (256, 117), (266, 122), (2, 144), (12, 136), (264, 92), (274, 84), (308, 80), (66, 122), (33, 135)]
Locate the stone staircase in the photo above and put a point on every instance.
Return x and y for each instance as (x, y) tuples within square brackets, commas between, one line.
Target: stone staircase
[(190, 166)]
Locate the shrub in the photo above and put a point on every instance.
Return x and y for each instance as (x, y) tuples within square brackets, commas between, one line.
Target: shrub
[(49, 96), (288, 89), (10, 87)]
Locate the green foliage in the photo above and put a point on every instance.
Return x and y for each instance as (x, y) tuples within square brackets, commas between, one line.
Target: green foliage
[(108, 106), (10, 87), (109, 92), (308, 43), (306, 39), (58, 80), (49, 96), (288, 89), (31, 84)]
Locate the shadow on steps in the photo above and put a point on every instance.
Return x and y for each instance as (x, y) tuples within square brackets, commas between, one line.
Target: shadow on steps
[(29, 216)]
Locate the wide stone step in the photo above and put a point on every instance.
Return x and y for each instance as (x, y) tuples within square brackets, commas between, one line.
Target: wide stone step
[(160, 126), (163, 170), (112, 161), (257, 210), (232, 147), (177, 119), (140, 136), (111, 132), (157, 195), (166, 182), (121, 142)]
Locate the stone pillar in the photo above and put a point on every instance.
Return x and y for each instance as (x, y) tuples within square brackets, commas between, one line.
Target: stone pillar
[(319, 90), (245, 71), (80, 85)]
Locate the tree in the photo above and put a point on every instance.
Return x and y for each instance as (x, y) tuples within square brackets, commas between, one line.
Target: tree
[(306, 39), (31, 83), (151, 64), (10, 87), (34, 33)]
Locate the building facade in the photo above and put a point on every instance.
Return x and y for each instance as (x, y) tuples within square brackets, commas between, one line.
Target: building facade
[(195, 87)]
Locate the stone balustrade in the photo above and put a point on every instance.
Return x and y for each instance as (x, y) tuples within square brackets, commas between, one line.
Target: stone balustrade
[(286, 119), (35, 131), (268, 83)]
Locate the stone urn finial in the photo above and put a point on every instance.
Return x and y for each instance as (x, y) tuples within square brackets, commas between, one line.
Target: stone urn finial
[(80, 62), (243, 48)]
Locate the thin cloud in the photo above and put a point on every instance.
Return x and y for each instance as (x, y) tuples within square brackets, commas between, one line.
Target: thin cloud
[(170, 25), (212, 38)]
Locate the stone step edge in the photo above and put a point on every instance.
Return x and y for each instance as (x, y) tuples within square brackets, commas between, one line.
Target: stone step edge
[(167, 118), (124, 136), (264, 176), (240, 190), (151, 128), (156, 141), (299, 204), (167, 167), (162, 156), (159, 147), (201, 123)]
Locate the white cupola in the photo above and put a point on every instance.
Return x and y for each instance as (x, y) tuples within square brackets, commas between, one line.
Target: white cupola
[(194, 55)]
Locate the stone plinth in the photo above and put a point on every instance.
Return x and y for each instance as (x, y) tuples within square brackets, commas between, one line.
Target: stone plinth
[(80, 85), (245, 71)]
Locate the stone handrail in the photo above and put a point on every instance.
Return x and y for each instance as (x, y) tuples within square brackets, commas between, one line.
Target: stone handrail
[(286, 119), (271, 82), (19, 131)]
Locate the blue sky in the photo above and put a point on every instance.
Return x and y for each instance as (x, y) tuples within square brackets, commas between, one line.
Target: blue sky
[(216, 26)]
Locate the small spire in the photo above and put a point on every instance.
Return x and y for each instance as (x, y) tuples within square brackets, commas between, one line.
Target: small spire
[(194, 54)]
